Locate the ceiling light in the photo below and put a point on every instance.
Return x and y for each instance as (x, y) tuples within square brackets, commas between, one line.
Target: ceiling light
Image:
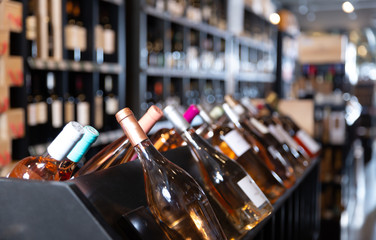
[(274, 18), (347, 7)]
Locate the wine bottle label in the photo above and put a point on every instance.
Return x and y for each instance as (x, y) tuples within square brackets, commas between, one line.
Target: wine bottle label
[(250, 188), (259, 126), (108, 41), (98, 115), (289, 140), (236, 142), (32, 114), (42, 116), (83, 113), (57, 113), (69, 112), (238, 109), (308, 141), (112, 105), (275, 133)]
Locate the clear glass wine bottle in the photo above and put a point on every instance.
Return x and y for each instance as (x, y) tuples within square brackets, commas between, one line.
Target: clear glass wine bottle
[(45, 167), (229, 184), (174, 197)]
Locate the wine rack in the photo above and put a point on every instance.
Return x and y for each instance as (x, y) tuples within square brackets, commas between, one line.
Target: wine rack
[(114, 209), (186, 56), (64, 80)]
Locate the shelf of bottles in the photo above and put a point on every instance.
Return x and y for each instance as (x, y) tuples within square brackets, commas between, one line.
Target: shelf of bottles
[(184, 52), (256, 51), (74, 66)]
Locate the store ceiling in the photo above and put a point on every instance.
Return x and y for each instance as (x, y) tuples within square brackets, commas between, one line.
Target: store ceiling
[(327, 15)]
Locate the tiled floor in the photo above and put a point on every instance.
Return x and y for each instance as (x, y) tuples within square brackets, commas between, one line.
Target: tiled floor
[(361, 213)]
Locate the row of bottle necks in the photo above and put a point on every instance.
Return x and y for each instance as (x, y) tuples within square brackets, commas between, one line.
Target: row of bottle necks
[(237, 144), (47, 107)]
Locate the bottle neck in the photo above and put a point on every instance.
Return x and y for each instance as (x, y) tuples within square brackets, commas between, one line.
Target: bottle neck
[(148, 154), (133, 130)]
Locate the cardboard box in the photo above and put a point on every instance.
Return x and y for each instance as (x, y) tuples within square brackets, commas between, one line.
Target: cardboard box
[(4, 43), (16, 123), (5, 141), (12, 69), (11, 16), (4, 98), (322, 49)]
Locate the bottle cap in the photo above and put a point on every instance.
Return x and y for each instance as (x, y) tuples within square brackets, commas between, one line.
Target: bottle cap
[(124, 113), (230, 100), (65, 141), (216, 112), (176, 118), (204, 115), (80, 149), (230, 113), (249, 105), (130, 126), (191, 113), (152, 116)]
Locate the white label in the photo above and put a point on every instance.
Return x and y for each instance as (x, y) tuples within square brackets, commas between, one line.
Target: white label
[(83, 113), (57, 113), (42, 116), (32, 114), (261, 127), (308, 141), (250, 188), (112, 105), (275, 133), (236, 142), (108, 41), (289, 140)]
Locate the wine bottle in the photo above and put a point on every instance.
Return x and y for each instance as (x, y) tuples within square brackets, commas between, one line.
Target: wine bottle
[(273, 160), (82, 104), (264, 135), (111, 102), (45, 167), (232, 143), (66, 166), (166, 139), (229, 184), (55, 103), (120, 151), (300, 136), (275, 126), (174, 197), (205, 130)]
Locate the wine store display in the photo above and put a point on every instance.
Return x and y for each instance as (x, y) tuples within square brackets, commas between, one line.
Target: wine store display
[(174, 197)]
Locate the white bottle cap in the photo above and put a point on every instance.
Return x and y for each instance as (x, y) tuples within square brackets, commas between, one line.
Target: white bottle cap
[(176, 118), (65, 141)]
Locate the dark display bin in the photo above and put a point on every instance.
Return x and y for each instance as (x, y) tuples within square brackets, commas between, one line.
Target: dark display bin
[(111, 204)]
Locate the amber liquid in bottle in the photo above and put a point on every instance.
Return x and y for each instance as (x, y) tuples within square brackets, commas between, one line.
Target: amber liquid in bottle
[(271, 157), (45, 167), (228, 183), (174, 197), (231, 143)]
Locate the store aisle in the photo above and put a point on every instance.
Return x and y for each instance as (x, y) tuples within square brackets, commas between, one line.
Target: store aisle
[(362, 218)]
